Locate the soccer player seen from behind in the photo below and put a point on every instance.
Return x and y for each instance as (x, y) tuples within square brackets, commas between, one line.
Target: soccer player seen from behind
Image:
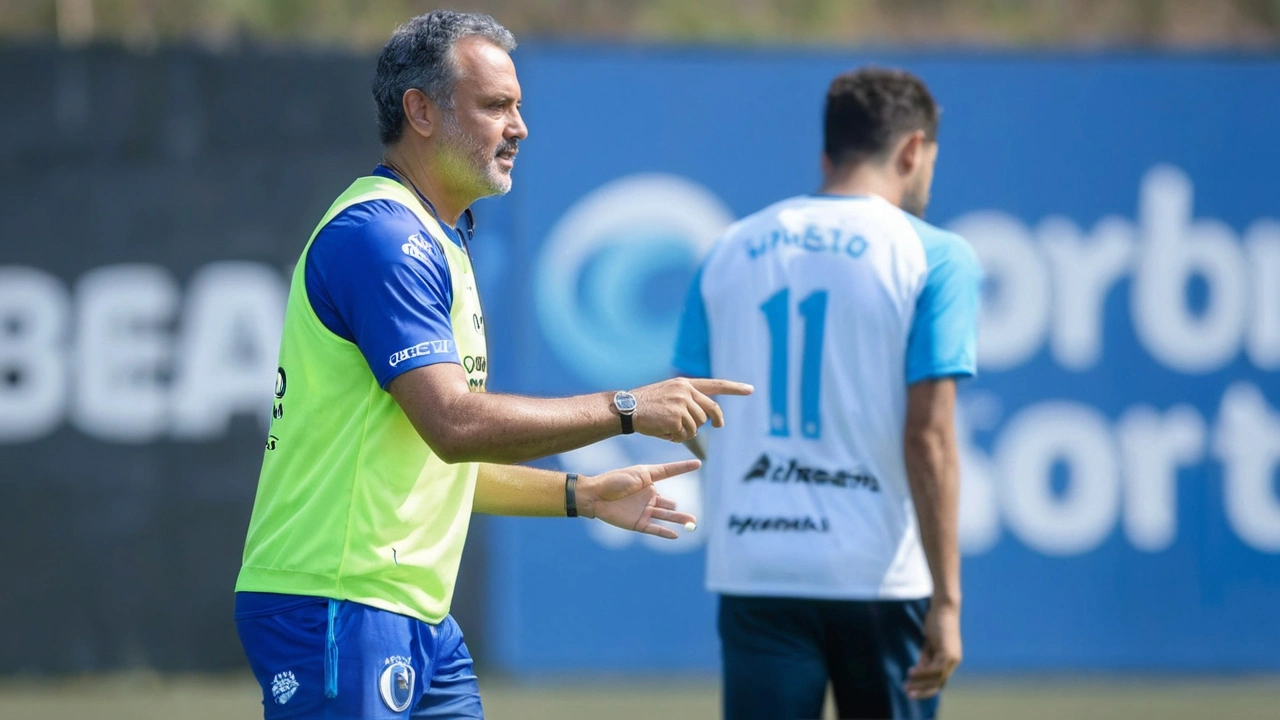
[(383, 441), (832, 492)]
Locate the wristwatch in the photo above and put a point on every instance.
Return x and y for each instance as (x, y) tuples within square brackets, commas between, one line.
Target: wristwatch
[(571, 494), (625, 402)]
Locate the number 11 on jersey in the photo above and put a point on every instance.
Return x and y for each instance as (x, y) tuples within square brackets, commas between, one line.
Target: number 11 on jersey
[(777, 313)]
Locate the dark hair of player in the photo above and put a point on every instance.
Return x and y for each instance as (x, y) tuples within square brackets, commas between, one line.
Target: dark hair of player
[(869, 109)]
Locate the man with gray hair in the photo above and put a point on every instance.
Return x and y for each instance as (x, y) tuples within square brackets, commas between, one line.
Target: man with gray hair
[(383, 441)]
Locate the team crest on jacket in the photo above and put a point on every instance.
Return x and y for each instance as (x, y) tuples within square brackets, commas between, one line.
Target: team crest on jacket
[(396, 683), (283, 686)]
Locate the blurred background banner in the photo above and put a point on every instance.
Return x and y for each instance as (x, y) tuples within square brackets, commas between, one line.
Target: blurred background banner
[(152, 207), (1120, 508), (1122, 446)]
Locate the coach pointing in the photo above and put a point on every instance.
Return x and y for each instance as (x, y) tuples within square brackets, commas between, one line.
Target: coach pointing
[(383, 440)]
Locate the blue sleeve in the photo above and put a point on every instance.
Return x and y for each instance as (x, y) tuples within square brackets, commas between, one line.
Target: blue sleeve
[(693, 340), (944, 332), (376, 278)]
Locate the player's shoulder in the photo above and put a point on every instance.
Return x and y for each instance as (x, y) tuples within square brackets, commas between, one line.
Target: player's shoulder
[(378, 230), (942, 246), (373, 220), (770, 214), (748, 227), (821, 208)]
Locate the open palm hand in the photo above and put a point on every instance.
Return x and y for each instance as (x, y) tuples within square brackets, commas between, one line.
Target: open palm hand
[(627, 498)]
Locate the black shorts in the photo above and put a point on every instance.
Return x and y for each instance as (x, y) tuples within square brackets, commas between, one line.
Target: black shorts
[(779, 654)]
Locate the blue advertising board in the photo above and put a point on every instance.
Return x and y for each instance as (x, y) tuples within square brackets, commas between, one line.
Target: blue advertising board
[(1121, 448)]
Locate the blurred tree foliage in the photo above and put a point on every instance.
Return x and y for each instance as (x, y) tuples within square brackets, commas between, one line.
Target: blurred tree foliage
[(364, 24)]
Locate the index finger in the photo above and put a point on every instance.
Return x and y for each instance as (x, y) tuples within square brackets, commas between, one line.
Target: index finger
[(923, 692), (716, 386), (671, 469), (926, 674), (930, 666)]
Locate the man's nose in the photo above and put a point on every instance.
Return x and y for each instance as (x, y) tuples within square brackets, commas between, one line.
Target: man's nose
[(516, 129)]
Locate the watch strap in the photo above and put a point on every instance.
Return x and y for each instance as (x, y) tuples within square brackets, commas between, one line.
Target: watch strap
[(571, 495), (628, 426)]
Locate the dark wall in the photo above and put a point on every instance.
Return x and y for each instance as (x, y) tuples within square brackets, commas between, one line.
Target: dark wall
[(122, 513)]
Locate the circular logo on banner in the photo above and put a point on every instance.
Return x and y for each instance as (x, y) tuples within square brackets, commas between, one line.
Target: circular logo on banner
[(396, 686), (612, 275)]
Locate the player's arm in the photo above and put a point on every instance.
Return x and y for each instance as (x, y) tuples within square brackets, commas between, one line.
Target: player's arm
[(625, 498), (933, 473), (462, 426), (369, 289), (941, 347)]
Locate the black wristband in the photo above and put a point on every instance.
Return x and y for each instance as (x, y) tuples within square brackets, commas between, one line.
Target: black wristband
[(571, 494), (627, 426)]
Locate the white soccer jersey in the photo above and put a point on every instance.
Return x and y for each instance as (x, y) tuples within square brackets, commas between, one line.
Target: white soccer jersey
[(830, 306)]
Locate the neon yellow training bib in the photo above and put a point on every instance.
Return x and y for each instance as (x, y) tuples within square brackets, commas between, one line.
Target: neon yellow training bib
[(351, 503)]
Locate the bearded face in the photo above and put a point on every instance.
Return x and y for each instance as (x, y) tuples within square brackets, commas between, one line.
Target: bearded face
[(482, 168), (915, 196)]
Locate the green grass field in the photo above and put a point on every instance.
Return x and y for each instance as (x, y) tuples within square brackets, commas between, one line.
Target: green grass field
[(141, 697)]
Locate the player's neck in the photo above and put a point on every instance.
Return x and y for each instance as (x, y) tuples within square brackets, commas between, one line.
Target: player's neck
[(445, 204), (864, 179)]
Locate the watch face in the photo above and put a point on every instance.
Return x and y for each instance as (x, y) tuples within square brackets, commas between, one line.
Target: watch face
[(625, 402)]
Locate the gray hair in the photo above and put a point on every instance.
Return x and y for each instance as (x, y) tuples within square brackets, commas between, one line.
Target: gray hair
[(420, 55)]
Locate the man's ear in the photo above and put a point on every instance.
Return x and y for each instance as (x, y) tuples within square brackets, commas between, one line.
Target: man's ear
[(910, 153), (420, 113)]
